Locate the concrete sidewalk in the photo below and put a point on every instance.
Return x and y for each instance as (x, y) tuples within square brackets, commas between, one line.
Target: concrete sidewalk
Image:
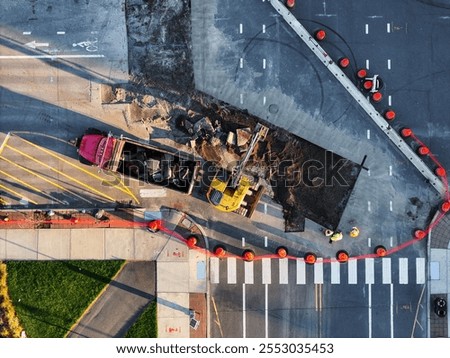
[(439, 276), (181, 285)]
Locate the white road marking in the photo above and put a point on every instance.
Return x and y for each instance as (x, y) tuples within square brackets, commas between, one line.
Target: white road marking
[(264, 100), (403, 271), (335, 273), (368, 134), (369, 304), (420, 270), (266, 271), (241, 63), (214, 269), (390, 170), (386, 269), (391, 241), (265, 241), (388, 27), (368, 172), (243, 241), (26, 33), (265, 208), (242, 98), (389, 64), (241, 28), (352, 272), (301, 272), (266, 310), (53, 57), (244, 322), (283, 270), (318, 272), (369, 242), (60, 32), (390, 100), (264, 63), (390, 205), (369, 206), (34, 44), (367, 29), (264, 29), (248, 272), (367, 64), (370, 271), (231, 270)]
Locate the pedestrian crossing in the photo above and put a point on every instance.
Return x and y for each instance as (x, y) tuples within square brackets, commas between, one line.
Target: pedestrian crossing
[(369, 271)]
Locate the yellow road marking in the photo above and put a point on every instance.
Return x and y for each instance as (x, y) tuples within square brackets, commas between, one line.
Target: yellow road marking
[(5, 141), (16, 193), (61, 173), (45, 179), (30, 186), (122, 187)]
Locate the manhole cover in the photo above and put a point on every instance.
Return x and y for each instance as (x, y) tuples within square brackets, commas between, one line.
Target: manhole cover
[(273, 108)]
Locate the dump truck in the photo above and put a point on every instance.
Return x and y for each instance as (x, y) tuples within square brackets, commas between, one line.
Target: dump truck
[(139, 160), (233, 190)]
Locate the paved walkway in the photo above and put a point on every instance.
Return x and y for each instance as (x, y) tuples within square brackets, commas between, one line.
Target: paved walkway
[(439, 275), (178, 277)]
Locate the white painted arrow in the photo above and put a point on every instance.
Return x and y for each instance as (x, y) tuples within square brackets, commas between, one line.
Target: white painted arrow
[(34, 44)]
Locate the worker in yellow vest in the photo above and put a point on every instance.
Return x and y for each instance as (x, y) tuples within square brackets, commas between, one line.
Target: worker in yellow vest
[(337, 236), (354, 232)]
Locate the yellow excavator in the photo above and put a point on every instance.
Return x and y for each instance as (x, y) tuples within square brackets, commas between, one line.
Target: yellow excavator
[(233, 191)]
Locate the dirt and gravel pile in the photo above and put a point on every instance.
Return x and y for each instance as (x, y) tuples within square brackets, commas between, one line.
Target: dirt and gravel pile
[(305, 179)]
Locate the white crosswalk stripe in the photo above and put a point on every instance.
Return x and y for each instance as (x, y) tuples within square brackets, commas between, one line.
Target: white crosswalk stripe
[(231, 267), (387, 276), (370, 271), (335, 273), (266, 271), (301, 272), (352, 272), (283, 268), (214, 269), (248, 269), (420, 270), (318, 272), (392, 271), (403, 271)]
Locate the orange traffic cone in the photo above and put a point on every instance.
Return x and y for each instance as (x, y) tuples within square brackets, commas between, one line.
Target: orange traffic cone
[(342, 256), (191, 242), (310, 258), (248, 255), (419, 234), (220, 251), (154, 225), (445, 206), (282, 252), (440, 172), (380, 251)]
